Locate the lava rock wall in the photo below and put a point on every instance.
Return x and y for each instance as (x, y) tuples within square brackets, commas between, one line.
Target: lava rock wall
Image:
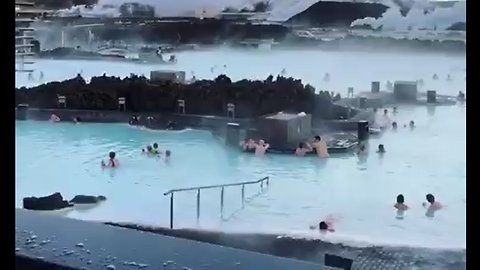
[(337, 14)]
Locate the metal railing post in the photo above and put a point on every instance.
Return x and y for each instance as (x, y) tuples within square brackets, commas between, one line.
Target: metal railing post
[(221, 201), (243, 195), (171, 210), (198, 205), (222, 195)]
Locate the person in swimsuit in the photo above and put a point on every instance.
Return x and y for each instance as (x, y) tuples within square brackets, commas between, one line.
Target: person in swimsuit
[(261, 147), (431, 205), (320, 147), (412, 124), (112, 161), (394, 126), (303, 149)]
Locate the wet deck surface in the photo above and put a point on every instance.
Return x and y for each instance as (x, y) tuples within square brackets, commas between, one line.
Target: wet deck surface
[(88, 245)]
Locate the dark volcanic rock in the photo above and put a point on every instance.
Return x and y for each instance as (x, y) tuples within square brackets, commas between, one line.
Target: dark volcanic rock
[(87, 199), (207, 31), (206, 97), (337, 14), (51, 202)]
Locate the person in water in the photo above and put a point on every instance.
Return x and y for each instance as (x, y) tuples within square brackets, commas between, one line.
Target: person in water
[(155, 150), (168, 153), (400, 205), (431, 204), (461, 96), (324, 226), (303, 149), (112, 161), (320, 147), (395, 110), (412, 124), (261, 147), (381, 149), (394, 125), (249, 145), (54, 118)]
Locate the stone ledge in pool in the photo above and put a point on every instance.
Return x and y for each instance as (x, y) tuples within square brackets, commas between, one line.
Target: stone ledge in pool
[(314, 249), (204, 97)]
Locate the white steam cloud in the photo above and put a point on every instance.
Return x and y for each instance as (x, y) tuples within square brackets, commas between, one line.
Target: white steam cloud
[(439, 18)]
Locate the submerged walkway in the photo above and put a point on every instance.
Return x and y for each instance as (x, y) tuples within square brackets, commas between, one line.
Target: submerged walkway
[(90, 245)]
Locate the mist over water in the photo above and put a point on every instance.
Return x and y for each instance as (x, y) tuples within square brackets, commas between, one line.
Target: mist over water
[(302, 191)]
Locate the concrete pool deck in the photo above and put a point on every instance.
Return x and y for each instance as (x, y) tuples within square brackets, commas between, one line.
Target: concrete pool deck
[(76, 244)]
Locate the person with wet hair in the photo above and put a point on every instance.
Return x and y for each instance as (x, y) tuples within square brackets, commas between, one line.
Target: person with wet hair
[(400, 205), (303, 149), (411, 124), (325, 225), (394, 125), (261, 148), (320, 147), (431, 203), (381, 149), (112, 161)]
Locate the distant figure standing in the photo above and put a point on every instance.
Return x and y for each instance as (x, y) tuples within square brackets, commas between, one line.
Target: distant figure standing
[(261, 147), (394, 126), (30, 76), (449, 78), (41, 76), (320, 147), (326, 77), (461, 96), (435, 76), (412, 124), (283, 72)]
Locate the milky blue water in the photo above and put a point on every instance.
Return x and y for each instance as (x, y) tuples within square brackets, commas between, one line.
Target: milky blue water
[(360, 192)]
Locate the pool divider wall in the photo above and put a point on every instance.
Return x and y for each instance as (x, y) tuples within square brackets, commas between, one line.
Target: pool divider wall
[(232, 136), (21, 112), (362, 130), (431, 96)]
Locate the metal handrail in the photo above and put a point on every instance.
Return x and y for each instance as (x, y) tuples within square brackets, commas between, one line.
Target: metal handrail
[(222, 186)]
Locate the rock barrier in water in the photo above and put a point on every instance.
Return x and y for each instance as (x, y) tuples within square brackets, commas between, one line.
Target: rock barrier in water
[(203, 97)]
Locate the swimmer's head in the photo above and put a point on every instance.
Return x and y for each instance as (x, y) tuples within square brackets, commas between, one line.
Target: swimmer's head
[(381, 148), (400, 198), (430, 198), (394, 125), (412, 124), (301, 145), (323, 226), (168, 153), (101, 198), (317, 138), (385, 111), (262, 142), (111, 155), (149, 147), (155, 145)]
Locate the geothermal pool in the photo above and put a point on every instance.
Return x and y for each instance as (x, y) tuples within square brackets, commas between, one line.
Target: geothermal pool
[(359, 192)]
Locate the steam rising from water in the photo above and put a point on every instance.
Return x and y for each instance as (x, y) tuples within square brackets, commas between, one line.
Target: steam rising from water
[(282, 10), (440, 18)]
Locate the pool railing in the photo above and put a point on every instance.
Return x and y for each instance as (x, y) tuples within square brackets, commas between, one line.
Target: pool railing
[(263, 181)]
